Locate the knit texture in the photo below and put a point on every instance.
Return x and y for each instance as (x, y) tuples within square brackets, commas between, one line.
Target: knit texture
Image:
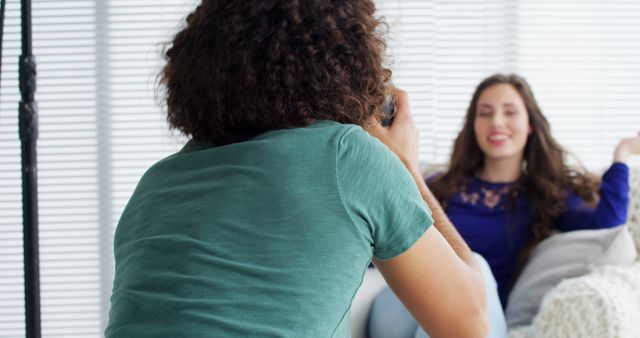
[(633, 214), (602, 304)]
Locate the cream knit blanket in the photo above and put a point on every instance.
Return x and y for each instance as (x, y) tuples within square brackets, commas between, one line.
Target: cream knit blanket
[(603, 304)]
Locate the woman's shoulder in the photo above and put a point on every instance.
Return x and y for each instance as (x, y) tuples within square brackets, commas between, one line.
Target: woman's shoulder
[(431, 172), (431, 177)]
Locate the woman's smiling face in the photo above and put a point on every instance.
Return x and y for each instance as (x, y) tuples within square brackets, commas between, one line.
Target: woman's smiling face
[(501, 123)]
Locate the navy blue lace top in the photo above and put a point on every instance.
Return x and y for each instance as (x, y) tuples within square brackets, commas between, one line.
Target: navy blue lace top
[(496, 225)]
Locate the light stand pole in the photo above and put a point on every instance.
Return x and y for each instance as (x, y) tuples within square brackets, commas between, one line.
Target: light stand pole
[(28, 129)]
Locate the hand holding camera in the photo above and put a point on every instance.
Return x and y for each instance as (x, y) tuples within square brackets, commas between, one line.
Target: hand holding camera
[(389, 110), (401, 136)]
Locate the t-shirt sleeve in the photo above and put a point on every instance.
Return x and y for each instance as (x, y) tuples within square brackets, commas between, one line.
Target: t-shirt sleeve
[(379, 192)]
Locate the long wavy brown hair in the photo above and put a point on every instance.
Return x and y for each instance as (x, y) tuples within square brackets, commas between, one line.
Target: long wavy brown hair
[(545, 178), (243, 67)]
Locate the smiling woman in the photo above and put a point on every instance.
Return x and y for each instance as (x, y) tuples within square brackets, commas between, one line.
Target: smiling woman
[(506, 157), (508, 186), (502, 128)]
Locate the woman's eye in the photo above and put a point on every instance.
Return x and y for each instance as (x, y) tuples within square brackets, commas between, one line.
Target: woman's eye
[(484, 113), (511, 112)]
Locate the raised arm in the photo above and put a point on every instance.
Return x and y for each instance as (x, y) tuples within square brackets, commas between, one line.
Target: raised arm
[(611, 209), (627, 148), (437, 279)]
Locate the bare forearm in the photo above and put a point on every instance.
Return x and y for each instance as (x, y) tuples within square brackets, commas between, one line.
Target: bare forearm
[(621, 155), (442, 222), (626, 148)]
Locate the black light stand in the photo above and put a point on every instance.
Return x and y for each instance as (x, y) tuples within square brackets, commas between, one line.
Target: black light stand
[(3, 4), (28, 129)]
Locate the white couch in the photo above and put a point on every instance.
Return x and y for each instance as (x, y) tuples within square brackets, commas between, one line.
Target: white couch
[(602, 304)]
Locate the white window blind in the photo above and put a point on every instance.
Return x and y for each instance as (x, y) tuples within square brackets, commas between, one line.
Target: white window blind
[(583, 60), (441, 50), (100, 128), (101, 125), (580, 57)]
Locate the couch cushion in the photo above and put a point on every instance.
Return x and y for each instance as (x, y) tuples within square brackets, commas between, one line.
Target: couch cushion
[(633, 218), (372, 284), (561, 256), (601, 304)]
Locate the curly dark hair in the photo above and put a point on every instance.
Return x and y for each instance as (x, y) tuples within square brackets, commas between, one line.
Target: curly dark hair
[(243, 67)]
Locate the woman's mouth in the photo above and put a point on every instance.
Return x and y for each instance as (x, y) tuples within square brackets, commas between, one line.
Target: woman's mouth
[(497, 139)]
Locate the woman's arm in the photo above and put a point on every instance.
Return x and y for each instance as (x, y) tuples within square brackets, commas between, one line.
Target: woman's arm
[(402, 137), (611, 209), (437, 279), (626, 148)]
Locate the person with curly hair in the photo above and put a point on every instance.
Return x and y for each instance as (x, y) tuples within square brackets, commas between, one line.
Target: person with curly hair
[(508, 187), (264, 224)]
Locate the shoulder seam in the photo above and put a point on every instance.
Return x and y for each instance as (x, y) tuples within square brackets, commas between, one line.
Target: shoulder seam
[(346, 132), (338, 150)]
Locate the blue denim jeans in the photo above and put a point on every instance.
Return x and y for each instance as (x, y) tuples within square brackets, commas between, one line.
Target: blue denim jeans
[(389, 318)]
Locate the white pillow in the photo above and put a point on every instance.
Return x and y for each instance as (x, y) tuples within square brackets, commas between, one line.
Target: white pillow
[(565, 255), (372, 284)]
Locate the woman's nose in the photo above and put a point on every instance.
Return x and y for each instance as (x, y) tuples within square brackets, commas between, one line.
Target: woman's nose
[(497, 119)]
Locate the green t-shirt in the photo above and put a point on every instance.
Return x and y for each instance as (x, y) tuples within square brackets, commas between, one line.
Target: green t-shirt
[(269, 237)]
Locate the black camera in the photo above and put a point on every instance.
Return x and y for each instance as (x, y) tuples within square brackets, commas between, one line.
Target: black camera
[(389, 110)]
